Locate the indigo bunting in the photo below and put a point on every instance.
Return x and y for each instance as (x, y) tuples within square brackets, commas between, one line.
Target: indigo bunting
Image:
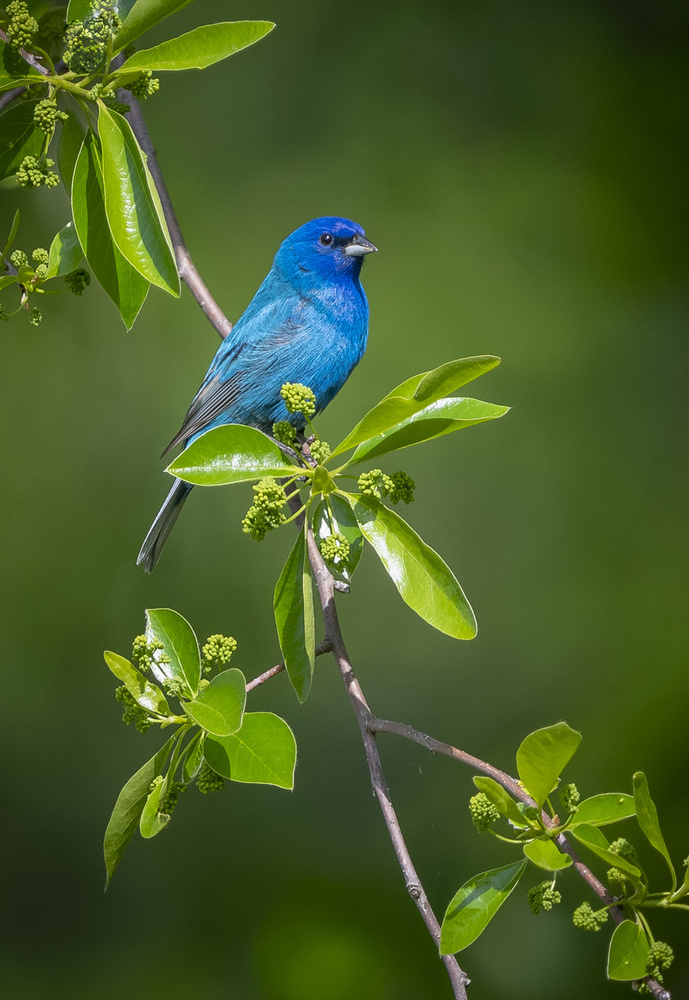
[(307, 323)]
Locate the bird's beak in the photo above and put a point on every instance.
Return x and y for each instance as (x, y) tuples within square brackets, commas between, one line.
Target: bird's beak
[(359, 246)]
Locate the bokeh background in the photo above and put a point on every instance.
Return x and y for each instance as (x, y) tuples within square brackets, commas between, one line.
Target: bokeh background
[(522, 168)]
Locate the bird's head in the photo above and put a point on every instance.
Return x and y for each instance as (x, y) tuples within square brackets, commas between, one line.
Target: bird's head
[(324, 248)]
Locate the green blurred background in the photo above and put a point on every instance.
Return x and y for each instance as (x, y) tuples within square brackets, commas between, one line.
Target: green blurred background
[(522, 169)]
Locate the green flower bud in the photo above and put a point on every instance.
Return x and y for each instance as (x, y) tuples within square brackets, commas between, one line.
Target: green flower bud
[(483, 812), (298, 398), (284, 432), (22, 26), (35, 316), (19, 259), (543, 897), (144, 85), (335, 549), (320, 450), (34, 172), (588, 919), (209, 780), (78, 280), (217, 652)]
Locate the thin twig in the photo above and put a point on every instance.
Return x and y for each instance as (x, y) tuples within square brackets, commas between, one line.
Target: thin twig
[(28, 57), (185, 265), (323, 647)]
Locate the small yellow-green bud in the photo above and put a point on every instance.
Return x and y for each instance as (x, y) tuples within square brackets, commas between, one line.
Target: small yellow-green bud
[(35, 316), (284, 432), (335, 549), (78, 280), (209, 780), (587, 919), (217, 652), (145, 85), (298, 398), (320, 450), (22, 26), (543, 897), (483, 812), (19, 259)]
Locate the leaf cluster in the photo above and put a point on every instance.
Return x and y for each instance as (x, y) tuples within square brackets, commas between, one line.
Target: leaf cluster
[(342, 521), (214, 738), (535, 827), (77, 75)]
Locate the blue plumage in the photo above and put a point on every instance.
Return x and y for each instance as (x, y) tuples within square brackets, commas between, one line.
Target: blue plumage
[(308, 323)]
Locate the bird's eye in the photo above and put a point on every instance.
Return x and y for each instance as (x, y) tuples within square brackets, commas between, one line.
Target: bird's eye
[(326, 239)]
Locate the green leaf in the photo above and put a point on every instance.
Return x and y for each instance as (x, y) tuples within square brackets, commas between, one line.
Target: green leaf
[(130, 803), (543, 755), (148, 695), (501, 799), (14, 229), (152, 821), (442, 417), (219, 707), (423, 580), (416, 394), (647, 818), (344, 523), (608, 807), (545, 854), (8, 279), (132, 204), (65, 252), (124, 285), (19, 137), (193, 758), (474, 906), (138, 16), (180, 646), (200, 47), (14, 70), (72, 136), (232, 453), (263, 751), (596, 841), (628, 952), (293, 607)]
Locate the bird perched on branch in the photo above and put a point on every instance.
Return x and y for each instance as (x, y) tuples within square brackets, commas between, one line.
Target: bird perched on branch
[(307, 323)]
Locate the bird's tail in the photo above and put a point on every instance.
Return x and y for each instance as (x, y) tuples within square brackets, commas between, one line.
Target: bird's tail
[(163, 525)]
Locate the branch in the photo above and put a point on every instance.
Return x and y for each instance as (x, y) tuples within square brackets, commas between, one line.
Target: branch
[(512, 786), (323, 647), (28, 57), (185, 265), (326, 592)]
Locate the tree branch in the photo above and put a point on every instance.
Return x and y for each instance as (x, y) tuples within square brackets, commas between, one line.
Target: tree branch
[(185, 265), (323, 647)]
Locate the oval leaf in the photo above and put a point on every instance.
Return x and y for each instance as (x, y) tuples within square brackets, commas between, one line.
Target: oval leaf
[(608, 807), (128, 808), (474, 906), (415, 394), (647, 818), (424, 581), (180, 647), (146, 694), (72, 135), (546, 855), (542, 757), (294, 620), (263, 751), (501, 799), (152, 821), (19, 137), (596, 841), (628, 952), (137, 16), (65, 252), (200, 47), (219, 707), (442, 417), (135, 215), (232, 453), (124, 285)]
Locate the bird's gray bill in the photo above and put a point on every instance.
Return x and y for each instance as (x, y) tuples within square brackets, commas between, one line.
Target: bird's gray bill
[(358, 246)]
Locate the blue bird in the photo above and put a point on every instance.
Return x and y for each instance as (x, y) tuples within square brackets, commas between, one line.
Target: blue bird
[(308, 323)]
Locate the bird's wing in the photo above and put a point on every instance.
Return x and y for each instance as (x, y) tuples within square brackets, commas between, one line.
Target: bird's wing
[(261, 333), (214, 396)]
